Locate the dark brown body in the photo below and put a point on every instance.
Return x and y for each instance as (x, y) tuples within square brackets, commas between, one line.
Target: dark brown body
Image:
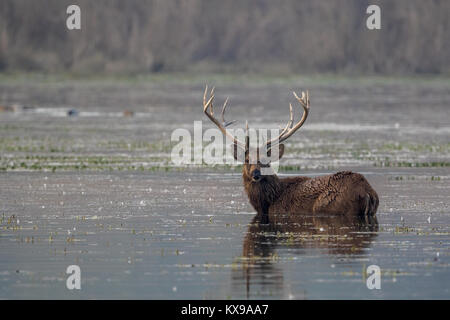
[(343, 193)]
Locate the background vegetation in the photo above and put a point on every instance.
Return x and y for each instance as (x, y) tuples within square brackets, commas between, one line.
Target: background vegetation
[(286, 36)]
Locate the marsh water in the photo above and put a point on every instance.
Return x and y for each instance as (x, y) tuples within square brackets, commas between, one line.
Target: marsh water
[(96, 189)]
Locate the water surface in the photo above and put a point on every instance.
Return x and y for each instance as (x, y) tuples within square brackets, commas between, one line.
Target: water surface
[(92, 189), (186, 235)]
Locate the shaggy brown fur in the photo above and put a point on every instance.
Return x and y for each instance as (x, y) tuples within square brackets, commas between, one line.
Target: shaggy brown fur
[(343, 193)]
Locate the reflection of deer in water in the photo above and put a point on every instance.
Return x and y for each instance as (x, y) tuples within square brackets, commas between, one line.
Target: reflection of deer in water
[(343, 193), (338, 235)]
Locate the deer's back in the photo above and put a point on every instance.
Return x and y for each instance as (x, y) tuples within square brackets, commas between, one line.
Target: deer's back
[(344, 192)]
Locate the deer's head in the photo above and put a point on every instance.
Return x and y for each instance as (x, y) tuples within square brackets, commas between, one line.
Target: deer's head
[(256, 161)]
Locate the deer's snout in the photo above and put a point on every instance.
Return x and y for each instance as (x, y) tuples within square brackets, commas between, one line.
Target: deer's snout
[(256, 175)]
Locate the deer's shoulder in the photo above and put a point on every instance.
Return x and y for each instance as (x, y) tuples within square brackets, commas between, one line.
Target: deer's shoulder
[(326, 183), (348, 176), (293, 181)]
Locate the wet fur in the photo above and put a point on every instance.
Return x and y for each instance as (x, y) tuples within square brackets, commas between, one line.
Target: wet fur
[(344, 193)]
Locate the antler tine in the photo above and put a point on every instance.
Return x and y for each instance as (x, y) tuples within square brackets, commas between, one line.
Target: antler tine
[(224, 122), (289, 130), (223, 110), (210, 114), (288, 125), (211, 108), (204, 96), (291, 120), (304, 101), (208, 105)]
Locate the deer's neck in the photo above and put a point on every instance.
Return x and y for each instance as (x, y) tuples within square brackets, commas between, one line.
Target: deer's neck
[(263, 193)]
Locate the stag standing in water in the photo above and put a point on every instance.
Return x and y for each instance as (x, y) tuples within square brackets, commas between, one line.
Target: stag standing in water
[(344, 193)]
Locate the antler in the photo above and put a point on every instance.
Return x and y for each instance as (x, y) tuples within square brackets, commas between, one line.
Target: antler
[(289, 130), (209, 105)]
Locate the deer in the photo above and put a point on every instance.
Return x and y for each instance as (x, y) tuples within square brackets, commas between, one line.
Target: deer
[(344, 193)]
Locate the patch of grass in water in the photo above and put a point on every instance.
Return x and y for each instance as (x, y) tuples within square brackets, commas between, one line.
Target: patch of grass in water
[(414, 147), (408, 164)]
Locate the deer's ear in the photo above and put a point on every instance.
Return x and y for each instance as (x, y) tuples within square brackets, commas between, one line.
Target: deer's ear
[(280, 151), (238, 153)]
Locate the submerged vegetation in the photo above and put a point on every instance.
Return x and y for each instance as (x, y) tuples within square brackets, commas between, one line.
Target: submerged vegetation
[(21, 153), (125, 122)]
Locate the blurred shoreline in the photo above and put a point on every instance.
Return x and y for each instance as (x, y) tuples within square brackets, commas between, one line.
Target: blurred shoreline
[(225, 78)]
